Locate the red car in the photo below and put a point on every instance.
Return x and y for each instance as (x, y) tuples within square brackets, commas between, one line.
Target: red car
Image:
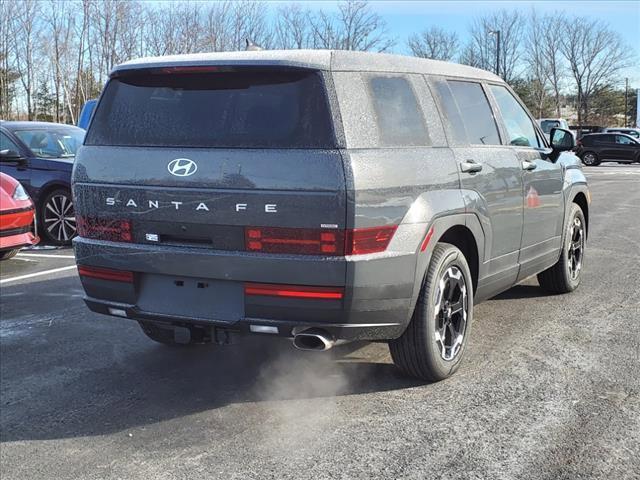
[(16, 217)]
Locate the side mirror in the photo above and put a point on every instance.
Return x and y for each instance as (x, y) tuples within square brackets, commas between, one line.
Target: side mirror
[(562, 140), (10, 156)]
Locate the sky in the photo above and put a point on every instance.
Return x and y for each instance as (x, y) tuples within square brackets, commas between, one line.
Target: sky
[(406, 17)]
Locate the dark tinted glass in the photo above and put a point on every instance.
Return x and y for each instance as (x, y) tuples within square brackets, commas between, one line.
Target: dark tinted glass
[(453, 121), (476, 112), (604, 139), (399, 120), (221, 109)]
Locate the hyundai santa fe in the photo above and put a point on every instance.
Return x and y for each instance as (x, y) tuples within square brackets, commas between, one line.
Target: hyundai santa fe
[(323, 196)]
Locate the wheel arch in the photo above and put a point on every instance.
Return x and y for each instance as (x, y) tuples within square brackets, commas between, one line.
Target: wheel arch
[(461, 230), (580, 199)]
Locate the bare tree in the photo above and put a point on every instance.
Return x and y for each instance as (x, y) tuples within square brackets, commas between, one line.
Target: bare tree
[(292, 27), (354, 27), (595, 54), (482, 46), (216, 28), (8, 75), (536, 61), (435, 43), (551, 49), (26, 30)]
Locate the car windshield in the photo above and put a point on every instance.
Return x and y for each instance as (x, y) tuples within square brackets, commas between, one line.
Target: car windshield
[(59, 143), (547, 125)]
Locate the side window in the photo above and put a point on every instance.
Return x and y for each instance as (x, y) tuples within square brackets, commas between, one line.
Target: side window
[(7, 144), (520, 129), (399, 119), (621, 139), (604, 139), (476, 113), (451, 116)]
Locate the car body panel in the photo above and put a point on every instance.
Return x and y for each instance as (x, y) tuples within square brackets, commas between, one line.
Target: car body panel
[(16, 217), (359, 184)]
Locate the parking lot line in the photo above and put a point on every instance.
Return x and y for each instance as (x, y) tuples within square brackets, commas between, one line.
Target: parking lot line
[(37, 274), (44, 255)]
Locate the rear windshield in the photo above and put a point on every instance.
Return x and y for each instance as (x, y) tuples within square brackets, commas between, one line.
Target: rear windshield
[(242, 109)]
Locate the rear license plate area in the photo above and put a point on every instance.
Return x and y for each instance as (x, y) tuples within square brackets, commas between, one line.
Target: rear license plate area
[(215, 300)]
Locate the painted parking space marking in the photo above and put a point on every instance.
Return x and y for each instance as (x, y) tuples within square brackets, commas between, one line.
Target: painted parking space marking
[(36, 274), (44, 255)]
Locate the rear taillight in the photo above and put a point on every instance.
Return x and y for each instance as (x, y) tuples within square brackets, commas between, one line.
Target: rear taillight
[(311, 241), (293, 291), (105, 274), (368, 240), (110, 229), (304, 241)]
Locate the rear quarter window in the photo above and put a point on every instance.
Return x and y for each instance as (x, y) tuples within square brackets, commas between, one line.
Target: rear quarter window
[(398, 117), (227, 109)]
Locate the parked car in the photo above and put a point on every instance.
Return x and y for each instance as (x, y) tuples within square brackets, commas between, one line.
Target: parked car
[(86, 113), (317, 195), (16, 217), (632, 132), (608, 147), (546, 124), (40, 156)]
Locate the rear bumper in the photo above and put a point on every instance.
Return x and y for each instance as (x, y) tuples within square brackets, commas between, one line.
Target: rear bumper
[(377, 290)]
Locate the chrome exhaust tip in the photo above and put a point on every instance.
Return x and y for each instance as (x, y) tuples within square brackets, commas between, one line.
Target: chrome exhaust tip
[(313, 339)]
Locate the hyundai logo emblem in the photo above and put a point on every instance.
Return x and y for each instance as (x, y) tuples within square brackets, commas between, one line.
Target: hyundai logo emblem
[(182, 167)]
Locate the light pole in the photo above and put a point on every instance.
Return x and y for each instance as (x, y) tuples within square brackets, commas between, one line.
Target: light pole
[(497, 34), (626, 96)]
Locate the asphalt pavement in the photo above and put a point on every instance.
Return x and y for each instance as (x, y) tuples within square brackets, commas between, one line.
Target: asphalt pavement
[(549, 388)]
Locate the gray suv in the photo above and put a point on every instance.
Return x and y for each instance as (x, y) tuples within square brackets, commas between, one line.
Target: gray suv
[(323, 196)]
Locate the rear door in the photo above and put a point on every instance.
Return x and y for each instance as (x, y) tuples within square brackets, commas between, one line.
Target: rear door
[(193, 156), (606, 145), (542, 181), (490, 175)]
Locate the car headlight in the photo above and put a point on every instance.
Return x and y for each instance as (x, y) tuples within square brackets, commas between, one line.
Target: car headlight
[(20, 193)]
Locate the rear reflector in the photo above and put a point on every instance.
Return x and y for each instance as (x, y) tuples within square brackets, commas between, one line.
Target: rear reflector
[(110, 229), (105, 274), (426, 240), (318, 241), (293, 291)]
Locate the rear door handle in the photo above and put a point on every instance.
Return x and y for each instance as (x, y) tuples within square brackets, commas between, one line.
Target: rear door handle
[(527, 165), (470, 166)]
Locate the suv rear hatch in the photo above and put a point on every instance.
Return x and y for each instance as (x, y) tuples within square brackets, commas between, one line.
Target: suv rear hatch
[(216, 159)]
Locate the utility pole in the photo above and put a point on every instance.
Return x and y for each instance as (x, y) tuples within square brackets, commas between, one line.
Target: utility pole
[(626, 97), (497, 34)]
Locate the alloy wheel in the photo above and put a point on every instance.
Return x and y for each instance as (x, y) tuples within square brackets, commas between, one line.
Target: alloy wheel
[(576, 248), (451, 312), (589, 159), (59, 218)]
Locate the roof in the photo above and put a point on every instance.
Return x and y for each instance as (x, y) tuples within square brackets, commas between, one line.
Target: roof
[(334, 60), (34, 125)]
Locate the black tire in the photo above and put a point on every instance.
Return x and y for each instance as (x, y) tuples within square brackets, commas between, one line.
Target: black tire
[(418, 352), (590, 159), (54, 227), (565, 275), (166, 335), (7, 254)]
